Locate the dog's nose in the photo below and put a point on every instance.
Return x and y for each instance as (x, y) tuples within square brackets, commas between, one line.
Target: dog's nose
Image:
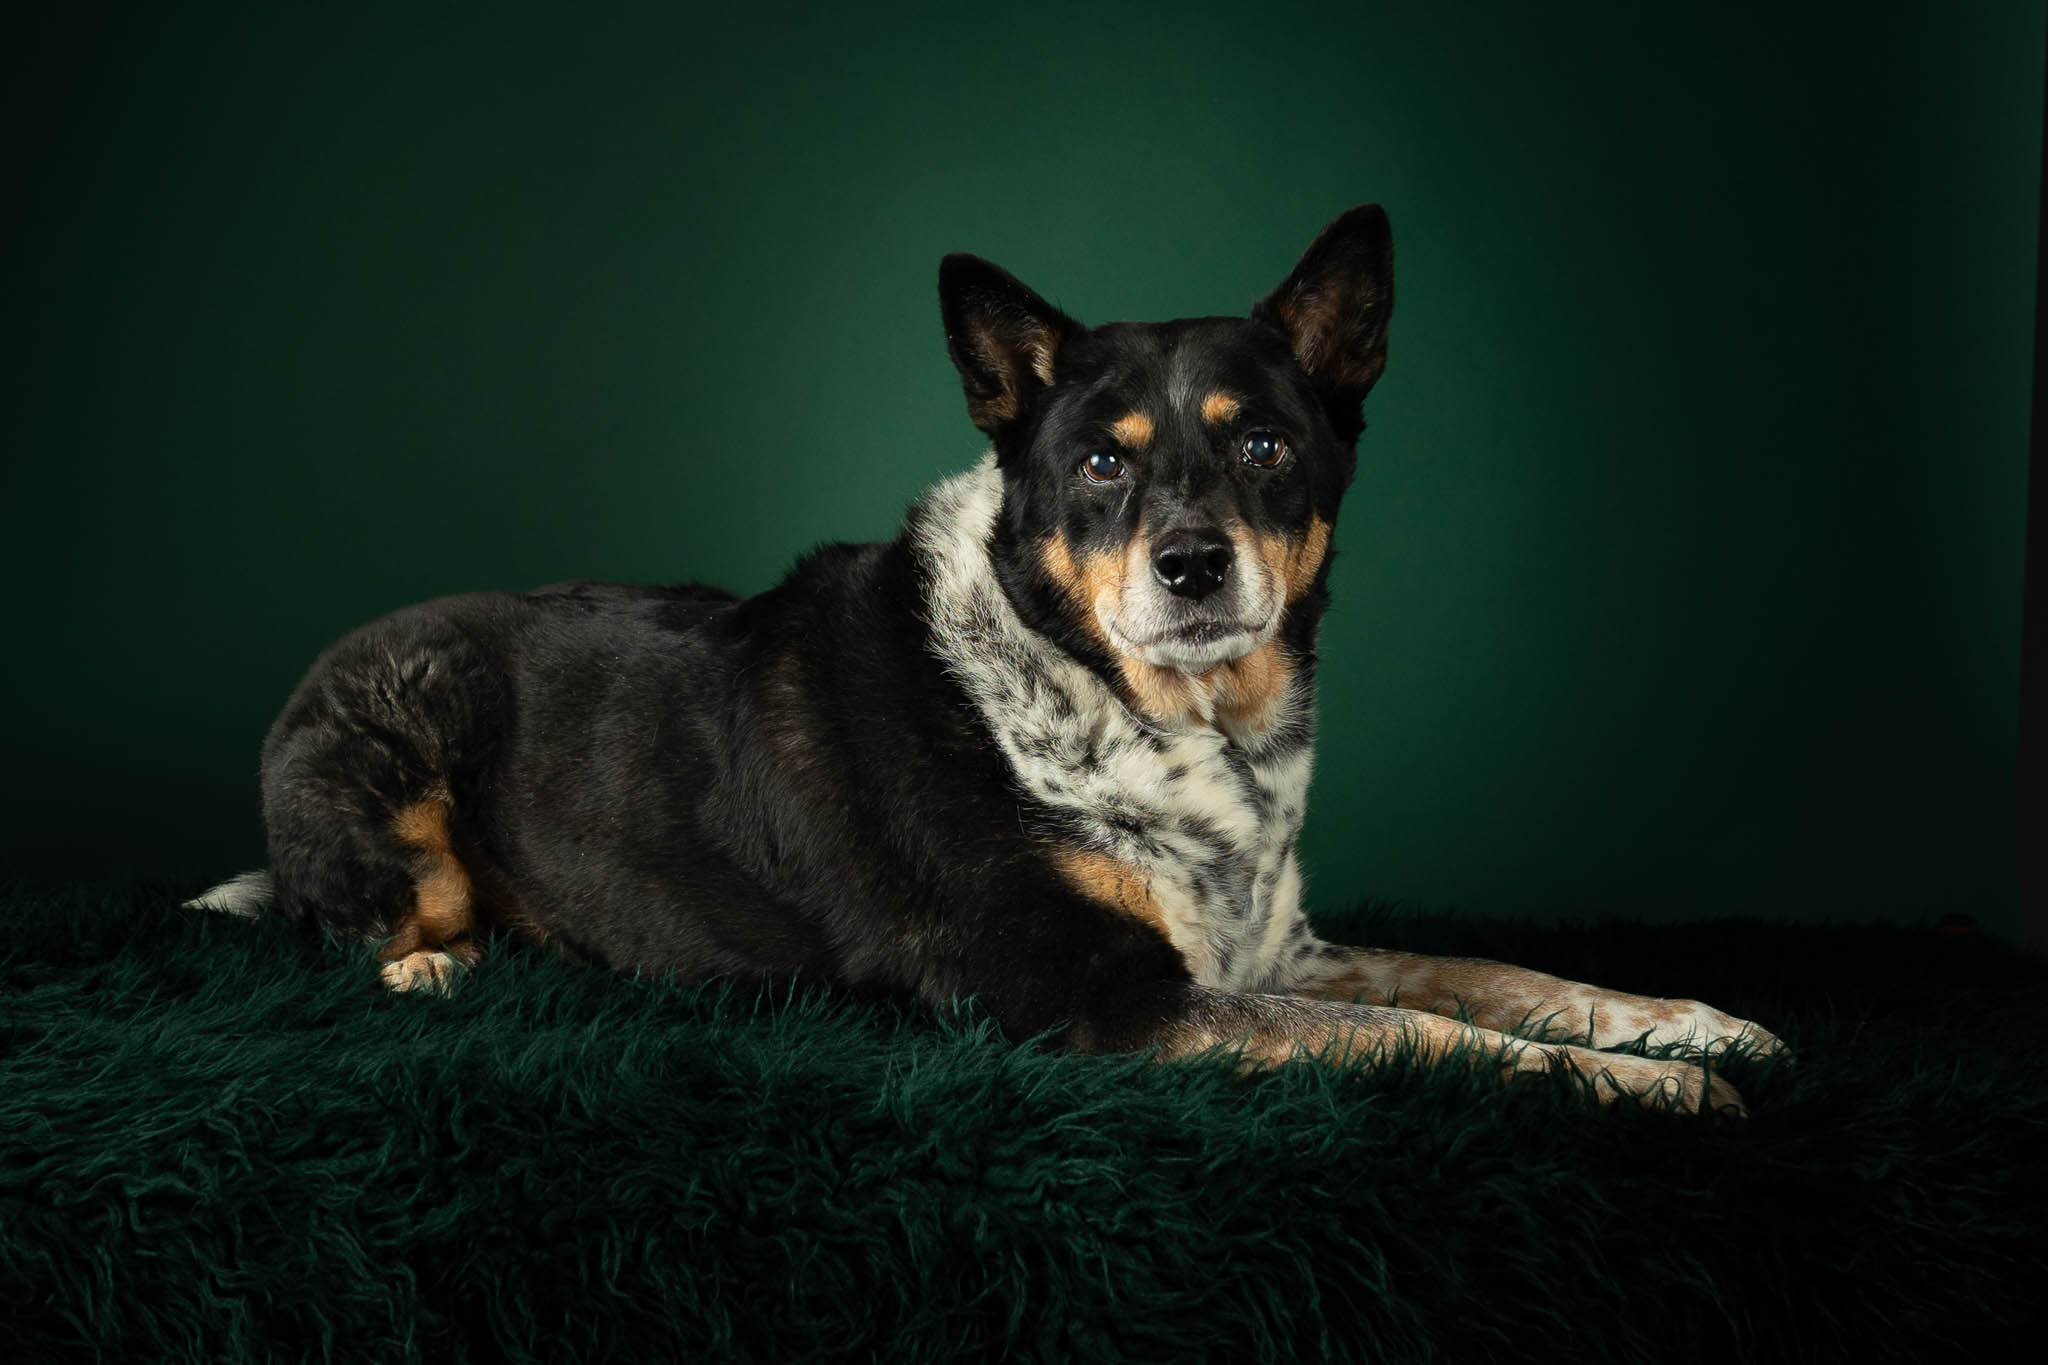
[(1192, 563)]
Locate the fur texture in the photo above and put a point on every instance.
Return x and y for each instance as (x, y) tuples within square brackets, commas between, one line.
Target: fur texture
[(226, 1144)]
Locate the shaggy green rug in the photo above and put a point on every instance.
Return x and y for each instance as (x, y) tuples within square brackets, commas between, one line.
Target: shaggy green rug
[(219, 1141)]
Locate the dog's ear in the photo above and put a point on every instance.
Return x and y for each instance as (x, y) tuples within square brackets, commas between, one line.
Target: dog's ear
[(1003, 337), (1335, 305)]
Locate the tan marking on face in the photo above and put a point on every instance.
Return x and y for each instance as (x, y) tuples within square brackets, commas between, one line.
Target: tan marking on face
[(1243, 695), (444, 907), (1084, 583), (1164, 694), (1107, 882), (1294, 563), (1133, 429), (1218, 408)]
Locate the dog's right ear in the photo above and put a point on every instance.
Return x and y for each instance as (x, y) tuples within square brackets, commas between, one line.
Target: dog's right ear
[(1334, 309), (1002, 335)]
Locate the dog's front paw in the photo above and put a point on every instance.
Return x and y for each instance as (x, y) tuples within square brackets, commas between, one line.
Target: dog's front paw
[(1747, 1035), (1683, 1023), (1667, 1083), (1715, 1031)]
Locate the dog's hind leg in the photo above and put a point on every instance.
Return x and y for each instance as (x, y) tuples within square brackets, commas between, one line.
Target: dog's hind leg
[(438, 935), (1509, 999), (359, 782)]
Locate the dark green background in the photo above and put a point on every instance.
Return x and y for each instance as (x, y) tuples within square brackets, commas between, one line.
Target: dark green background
[(1682, 573)]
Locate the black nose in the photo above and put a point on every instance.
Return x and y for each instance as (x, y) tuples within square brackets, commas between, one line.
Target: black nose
[(1192, 563)]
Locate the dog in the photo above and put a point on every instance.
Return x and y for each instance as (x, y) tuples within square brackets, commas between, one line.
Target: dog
[(1050, 747)]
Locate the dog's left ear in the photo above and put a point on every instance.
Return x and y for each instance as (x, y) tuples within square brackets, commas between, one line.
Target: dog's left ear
[(1002, 335), (1335, 306)]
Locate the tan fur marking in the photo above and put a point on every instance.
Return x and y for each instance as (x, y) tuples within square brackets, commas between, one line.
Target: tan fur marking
[(1293, 563), (1107, 882), (1218, 408), (444, 906), (1243, 695), (1041, 349), (1083, 583), (1161, 693), (1133, 429), (1249, 690)]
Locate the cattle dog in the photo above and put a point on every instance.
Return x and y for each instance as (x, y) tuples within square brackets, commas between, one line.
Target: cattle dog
[(1048, 748)]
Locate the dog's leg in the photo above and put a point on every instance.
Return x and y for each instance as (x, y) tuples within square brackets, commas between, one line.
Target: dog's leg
[(437, 937), (1496, 996), (358, 802), (431, 969), (1102, 968), (1271, 1029)]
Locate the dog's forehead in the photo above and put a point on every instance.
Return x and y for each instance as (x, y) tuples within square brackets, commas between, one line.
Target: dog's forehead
[(1177, 365)]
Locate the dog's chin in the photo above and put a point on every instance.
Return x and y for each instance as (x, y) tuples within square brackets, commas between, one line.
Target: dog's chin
[(1192, 649)]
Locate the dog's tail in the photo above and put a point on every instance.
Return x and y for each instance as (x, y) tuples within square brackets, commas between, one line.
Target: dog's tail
[(248, 895)]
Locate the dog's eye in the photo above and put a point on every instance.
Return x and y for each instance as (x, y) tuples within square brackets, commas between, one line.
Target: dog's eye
[(1102, 467), (1264, 450)]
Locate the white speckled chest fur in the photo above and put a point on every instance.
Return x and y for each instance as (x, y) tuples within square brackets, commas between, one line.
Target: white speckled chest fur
[(1210, 818)]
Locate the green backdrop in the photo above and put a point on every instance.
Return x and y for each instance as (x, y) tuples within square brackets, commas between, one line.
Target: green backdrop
[(1681, 576)]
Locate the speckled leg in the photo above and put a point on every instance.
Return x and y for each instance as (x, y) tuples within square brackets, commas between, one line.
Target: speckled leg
[(1517, 1000)]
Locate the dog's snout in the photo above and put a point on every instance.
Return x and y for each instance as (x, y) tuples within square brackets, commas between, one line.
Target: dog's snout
[(1193, 563)]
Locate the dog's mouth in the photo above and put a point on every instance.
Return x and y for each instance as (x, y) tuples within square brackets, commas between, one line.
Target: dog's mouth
[(1205, 632), (1191, 646)]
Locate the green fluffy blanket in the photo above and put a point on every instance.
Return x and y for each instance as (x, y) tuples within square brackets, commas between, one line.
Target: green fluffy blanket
[(221, 1141)]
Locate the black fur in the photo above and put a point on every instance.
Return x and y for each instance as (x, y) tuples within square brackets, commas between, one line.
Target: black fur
[(674, 780)]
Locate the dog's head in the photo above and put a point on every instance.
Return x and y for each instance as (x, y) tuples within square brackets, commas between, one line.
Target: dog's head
[(1169, 489)]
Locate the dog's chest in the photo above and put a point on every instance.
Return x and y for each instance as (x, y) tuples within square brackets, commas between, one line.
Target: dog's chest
[(1205, 826)]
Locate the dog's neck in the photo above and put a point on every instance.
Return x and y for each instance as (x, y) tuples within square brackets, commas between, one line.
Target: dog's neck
[(1209, 817)]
